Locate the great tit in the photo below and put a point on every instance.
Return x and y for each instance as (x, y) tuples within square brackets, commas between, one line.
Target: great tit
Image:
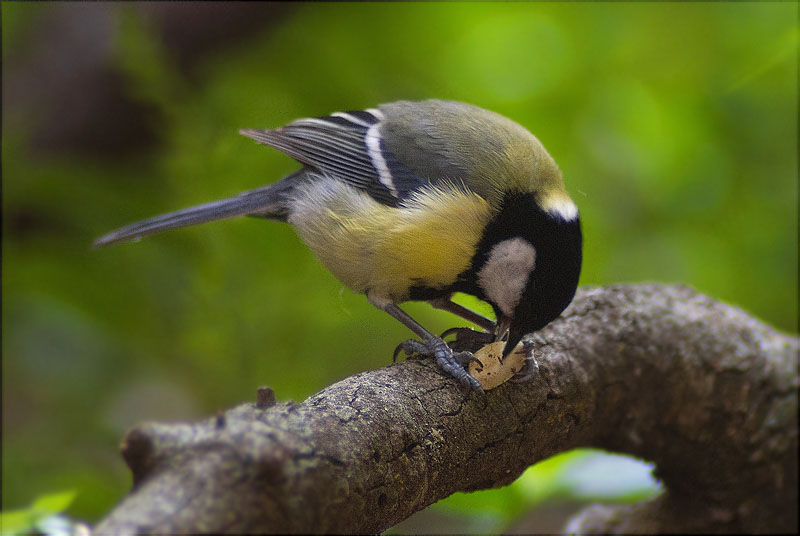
[(417, 201)]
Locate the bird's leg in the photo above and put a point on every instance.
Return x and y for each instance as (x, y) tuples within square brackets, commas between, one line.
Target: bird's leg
[(446, 304), (466, 338), (449, 361)]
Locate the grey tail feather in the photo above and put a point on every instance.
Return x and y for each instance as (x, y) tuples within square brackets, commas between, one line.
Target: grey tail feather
[(267, 201)]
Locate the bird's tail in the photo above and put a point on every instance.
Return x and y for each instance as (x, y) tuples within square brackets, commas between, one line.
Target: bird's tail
[(267, 202)]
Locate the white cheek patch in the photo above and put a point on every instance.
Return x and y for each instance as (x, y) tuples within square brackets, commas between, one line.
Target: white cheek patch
[(506, 272)]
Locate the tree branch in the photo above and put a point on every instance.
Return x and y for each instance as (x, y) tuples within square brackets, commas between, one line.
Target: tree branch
[(660, 372)]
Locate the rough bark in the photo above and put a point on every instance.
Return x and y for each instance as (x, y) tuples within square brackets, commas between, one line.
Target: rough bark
[(701, 389)]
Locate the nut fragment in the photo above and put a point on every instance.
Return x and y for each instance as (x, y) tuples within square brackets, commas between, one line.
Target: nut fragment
[(493, 370)]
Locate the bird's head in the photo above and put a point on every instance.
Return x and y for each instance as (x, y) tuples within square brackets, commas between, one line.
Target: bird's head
[(531, 263)]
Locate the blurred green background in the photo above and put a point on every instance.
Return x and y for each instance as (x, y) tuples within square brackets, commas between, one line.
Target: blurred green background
[(675, 124)]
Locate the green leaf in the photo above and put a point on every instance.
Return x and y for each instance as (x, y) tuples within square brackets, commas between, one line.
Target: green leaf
[(53, 503), (33, 518), (17, 522)]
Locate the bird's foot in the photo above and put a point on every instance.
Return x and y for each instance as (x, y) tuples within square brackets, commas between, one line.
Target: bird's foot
[(452, 363), (531, 367), (468, 339)]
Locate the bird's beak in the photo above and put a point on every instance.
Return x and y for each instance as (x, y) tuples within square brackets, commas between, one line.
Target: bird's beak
[(503, 326), (507, 331), (511, 332), (514, 336)]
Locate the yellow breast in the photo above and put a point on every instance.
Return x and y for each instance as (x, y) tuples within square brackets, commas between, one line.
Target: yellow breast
[(368, 246)]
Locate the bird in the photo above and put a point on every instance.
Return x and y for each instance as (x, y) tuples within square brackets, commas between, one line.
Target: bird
[(415, 201)]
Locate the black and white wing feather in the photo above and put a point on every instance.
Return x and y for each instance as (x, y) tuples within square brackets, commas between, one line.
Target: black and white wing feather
[(347, 146)]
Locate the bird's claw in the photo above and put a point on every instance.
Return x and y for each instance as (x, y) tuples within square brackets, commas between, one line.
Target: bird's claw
[(410, 347), (531, 368), (451, 362), (468, 339)]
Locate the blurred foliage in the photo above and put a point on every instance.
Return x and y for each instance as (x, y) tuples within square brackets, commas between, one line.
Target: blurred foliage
[(42, 517), (675, 125), (578, 476)]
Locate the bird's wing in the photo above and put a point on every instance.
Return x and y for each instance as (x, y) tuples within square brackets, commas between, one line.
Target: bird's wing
[(349, 147)]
